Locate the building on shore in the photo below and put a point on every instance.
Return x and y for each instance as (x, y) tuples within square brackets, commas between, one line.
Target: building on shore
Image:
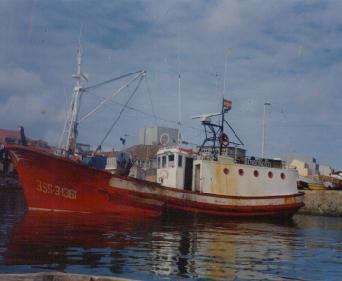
[(14, 137), (145, 161), (158, 136), (313, 175), (309, 166)]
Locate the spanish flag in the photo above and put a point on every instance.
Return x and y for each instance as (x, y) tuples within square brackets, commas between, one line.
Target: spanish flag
[(227, 105)]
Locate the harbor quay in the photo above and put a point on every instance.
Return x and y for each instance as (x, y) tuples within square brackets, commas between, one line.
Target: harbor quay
[(323, 202)]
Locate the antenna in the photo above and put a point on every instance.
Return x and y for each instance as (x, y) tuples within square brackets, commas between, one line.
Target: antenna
[(179, 123), (80, 36), (226, 55), (263, 130)]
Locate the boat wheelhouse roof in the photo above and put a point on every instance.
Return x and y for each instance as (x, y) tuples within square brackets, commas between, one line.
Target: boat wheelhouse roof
[(175, 149)]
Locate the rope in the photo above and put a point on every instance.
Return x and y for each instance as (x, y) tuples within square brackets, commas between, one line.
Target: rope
[(121, 111)]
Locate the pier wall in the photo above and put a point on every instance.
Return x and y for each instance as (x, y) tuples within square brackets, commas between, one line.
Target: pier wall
[(323, 202)]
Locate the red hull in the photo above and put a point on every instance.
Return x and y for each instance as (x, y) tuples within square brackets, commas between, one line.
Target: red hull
[(55, 183)]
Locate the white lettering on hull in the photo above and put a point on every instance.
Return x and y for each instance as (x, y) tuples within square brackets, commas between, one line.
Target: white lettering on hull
[(56, 190)]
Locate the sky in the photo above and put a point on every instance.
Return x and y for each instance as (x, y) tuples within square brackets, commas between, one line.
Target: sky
[(285, 52)]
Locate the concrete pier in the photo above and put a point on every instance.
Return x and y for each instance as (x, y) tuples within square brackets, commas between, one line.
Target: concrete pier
[(57, 276), (323, 202)]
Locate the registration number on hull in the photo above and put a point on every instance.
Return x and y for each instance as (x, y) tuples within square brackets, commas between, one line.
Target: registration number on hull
[(56, 190)]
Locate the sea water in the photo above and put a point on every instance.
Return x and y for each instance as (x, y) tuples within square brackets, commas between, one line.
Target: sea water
[(168, 248)]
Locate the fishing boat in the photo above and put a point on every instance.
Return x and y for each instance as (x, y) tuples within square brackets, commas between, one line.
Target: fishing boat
[(216, 180)]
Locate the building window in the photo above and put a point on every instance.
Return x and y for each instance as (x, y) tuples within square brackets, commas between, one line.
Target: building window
[(163, 161), (180, 160)]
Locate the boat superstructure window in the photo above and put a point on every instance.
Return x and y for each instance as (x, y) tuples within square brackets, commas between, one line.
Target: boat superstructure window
[(159, 163), (164, 161), (171, 160), (180, 160)]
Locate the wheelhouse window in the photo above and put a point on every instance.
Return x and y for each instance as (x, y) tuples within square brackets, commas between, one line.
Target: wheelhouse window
[(159, 166), (163, 161), (171, 160), (180, 160)]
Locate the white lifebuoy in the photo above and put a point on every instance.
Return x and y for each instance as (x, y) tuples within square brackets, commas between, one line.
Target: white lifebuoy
[(164, 174)]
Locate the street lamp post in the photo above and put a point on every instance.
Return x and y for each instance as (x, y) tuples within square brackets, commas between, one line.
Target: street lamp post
[(263, 129)]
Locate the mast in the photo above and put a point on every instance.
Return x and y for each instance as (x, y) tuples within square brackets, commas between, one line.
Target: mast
[(72, 121), (227, 53), (222, 126)]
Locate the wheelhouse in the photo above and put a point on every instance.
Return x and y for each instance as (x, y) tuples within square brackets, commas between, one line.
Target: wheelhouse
[(175, 167)]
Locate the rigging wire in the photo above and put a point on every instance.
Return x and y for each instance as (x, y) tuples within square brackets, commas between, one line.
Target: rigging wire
[(149, 95), (146, 113), (110, 81), (66, 115), (120, 113), (234, 132), (110, 97)]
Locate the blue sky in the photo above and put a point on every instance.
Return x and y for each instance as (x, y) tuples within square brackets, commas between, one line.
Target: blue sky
[(285, 52)]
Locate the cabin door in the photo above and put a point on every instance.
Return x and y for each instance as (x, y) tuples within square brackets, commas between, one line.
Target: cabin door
[(188, 173)]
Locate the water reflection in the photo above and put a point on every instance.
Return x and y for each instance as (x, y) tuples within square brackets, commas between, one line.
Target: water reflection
[(307, 248), (222, 250), (58, 240)]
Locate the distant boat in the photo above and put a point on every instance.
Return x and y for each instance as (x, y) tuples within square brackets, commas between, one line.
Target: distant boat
[(211, 182), (311, 183)]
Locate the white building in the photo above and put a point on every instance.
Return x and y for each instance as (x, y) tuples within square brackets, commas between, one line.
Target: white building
[(325, 170), (308, 166), (158, 136)]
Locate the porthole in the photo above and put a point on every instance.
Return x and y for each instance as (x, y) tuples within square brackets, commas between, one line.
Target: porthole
[(282, 175), (226, 171), (270, 174), (241, 172), (256, 173)]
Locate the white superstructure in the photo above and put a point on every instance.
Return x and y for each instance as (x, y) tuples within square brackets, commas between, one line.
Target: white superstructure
[(224, 176), (175, 167)]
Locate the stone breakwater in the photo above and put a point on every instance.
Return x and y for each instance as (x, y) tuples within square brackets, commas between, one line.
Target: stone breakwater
[(323, 202)]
